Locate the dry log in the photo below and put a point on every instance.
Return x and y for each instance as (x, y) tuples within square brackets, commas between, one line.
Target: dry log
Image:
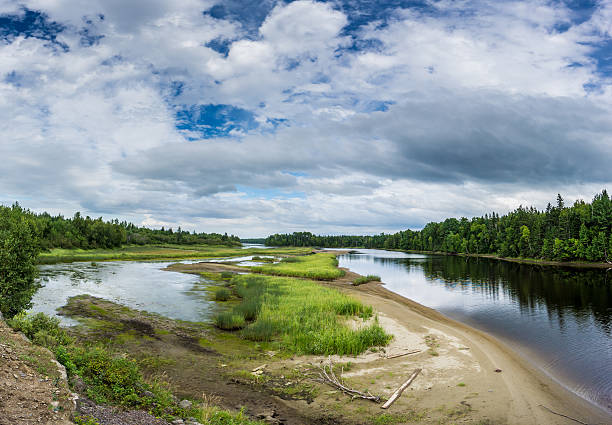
[(403, 354), (400, 390), (326, 375)]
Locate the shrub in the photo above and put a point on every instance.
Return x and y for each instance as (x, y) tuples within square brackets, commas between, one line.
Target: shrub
[(41, 329), (18, 254), (227, 275)]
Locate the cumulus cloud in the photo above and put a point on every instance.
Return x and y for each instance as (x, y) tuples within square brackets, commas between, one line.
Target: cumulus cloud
[(414, 115)]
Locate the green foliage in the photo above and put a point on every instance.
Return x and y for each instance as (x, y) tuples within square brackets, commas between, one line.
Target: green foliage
[(85, 420), (222, 417), (230, 320), (317, 266), (18, 252), (41, 329), (227, 275), (301, 316), (578, 232), (222, 294), (365, 279)]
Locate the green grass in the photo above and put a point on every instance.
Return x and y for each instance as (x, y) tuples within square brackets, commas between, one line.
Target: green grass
[(365, 279), (317, 266), (222, 294), (301, 316), (158, 252)]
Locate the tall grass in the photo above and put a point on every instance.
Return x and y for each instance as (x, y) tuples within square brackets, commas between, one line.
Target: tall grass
[(301, 316), (317, 266)]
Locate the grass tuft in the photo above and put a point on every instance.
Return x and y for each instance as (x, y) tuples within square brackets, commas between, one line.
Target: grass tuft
[(365, 279), (222, 294)]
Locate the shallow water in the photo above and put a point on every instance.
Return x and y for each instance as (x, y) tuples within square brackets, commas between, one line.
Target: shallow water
[(559, 318), (139, 285)]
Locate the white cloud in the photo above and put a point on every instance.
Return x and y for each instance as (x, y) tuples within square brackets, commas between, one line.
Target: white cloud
[(483, 103)]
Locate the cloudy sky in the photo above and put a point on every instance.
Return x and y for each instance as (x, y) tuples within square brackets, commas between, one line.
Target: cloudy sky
[(347, 116)]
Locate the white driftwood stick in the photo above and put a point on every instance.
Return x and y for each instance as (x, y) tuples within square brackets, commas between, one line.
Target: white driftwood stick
[(401, 389), (403, 354)]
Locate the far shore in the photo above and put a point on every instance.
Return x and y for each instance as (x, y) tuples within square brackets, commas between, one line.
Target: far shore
[(533, 261)]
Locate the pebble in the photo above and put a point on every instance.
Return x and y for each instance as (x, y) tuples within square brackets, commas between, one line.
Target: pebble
[(185, 404)]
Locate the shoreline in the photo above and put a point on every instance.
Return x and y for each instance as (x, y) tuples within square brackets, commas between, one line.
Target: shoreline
[(543, 387)]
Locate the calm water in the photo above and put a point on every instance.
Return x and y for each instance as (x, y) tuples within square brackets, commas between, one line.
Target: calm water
[(561, 319), (143, 286), (139, 285)]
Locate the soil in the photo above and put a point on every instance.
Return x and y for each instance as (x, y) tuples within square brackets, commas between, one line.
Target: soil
[(32, 388)]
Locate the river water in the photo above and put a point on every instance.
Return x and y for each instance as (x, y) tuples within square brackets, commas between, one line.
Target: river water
[(558, 318)]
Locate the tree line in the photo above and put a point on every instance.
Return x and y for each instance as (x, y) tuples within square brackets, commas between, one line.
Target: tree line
[(91, 233), (580, 232)]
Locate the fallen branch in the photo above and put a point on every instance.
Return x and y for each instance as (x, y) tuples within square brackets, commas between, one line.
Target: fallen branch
[(403, 354), (327, 376), (401, 389), (565, 416)]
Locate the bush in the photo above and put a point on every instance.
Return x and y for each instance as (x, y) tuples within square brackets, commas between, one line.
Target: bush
[(41, 329), (18, 254), (227, 275), (222, 294)]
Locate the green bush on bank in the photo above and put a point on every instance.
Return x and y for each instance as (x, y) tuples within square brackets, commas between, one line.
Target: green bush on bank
[(365, 279), (301, 316)]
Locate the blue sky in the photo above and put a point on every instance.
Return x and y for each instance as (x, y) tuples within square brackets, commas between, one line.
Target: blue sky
[(335, 117)]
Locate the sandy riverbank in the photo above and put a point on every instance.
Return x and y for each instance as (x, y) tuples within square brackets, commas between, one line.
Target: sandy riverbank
[(516, 395)]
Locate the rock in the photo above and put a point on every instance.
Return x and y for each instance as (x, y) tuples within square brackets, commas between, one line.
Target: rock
[(498, 370), (177, 422), (148, 394), (55, 405), (78, 385), (185, 404), (262, 414)]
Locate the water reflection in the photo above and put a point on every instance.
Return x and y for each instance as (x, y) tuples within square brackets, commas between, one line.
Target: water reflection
[(139, 285), (559, 317)]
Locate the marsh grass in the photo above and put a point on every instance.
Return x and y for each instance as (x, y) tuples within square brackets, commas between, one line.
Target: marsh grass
[(222, 294), (365, 279), (157, 252), (317, 266), (302, 316)]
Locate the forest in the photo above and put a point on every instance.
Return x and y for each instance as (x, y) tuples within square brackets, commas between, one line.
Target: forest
[(580, 232), (92, 233)]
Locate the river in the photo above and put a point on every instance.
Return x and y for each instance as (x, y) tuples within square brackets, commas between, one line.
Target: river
[(560, 319)]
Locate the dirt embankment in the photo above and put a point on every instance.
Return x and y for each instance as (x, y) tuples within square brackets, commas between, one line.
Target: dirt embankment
[(33, 387)]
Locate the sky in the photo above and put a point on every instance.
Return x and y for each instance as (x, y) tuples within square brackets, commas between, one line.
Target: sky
[(336, 117)]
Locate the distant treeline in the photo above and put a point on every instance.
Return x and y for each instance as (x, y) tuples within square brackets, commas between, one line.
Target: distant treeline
[(89, 233), (578, 232), (254, 240)]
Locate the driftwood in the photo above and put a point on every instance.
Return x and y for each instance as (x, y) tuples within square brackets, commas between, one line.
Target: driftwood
[(401, 389), (565, 416), (326, 375), (403, 354)]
